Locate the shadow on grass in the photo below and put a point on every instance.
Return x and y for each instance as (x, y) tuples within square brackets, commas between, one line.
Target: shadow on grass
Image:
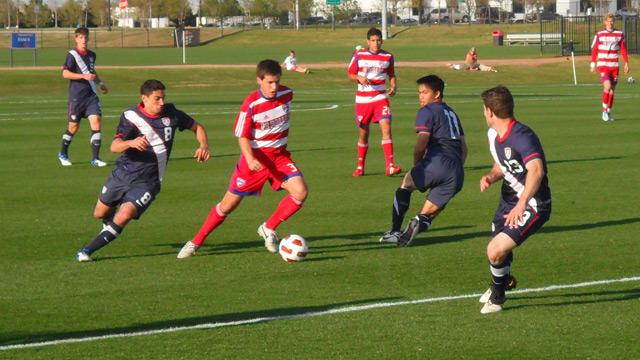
[(237, 154), (576, 299), (232, 319)]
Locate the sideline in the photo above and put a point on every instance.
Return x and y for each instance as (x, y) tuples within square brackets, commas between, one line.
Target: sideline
[(533, 62), (339, 310)]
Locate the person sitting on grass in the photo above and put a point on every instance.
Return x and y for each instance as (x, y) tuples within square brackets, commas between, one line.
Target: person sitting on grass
[(471, 63)]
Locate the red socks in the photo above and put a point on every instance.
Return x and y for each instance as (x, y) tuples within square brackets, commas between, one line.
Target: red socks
[(287, 207), (214, 219), (362, 154), (387, 147)]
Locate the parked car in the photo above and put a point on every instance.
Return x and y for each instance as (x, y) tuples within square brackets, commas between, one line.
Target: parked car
[(446, 15), (408, 21), (626, 12), (314, 20)]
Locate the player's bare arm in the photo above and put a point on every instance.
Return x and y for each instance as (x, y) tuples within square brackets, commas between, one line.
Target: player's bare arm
[(103, 88), (247, 152), (392, 86), (140, 143), (535, 174), (494, 175), (70, 75), (202, 153), (359, 79), (421, 146)]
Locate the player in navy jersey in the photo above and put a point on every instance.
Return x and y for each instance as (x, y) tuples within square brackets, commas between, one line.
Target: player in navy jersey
[(438, 157), (525, 204), (144, 138), (79, 68), (262, 129)]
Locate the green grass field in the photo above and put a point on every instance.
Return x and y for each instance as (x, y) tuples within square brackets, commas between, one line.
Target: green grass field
[(137, 284), (416, 43)]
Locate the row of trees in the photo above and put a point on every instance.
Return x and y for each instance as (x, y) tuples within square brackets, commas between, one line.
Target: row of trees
[(71, 13)]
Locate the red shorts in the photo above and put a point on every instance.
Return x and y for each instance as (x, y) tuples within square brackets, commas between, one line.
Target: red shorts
[(372, 112), (277, 168), (608, 73)]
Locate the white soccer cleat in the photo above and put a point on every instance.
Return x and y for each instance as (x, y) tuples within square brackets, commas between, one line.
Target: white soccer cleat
[(490, 307), (98, 163), (270, 238), (64, 160), (605, 116), (83, 257), (391, 237), (485, 297), (189, 249), (610, 115)]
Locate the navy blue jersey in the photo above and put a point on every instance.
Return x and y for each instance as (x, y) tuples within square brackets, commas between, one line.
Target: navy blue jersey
[(444, 127), (81, 63), (512, 152), (149, 165)]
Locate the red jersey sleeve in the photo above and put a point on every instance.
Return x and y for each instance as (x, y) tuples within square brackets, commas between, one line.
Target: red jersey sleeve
[(391, 71), (353, 65), (623, 50), (244, 121), (594, 48)]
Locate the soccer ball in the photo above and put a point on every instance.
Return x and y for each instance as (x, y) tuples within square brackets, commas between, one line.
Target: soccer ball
[(631, 80), (293, 248)]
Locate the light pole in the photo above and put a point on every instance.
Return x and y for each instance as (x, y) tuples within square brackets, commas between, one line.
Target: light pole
[(109, 14)]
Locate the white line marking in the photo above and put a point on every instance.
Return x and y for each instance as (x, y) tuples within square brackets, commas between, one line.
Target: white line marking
[(339, 310)]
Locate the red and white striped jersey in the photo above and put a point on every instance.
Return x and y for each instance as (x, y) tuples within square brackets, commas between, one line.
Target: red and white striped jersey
[(377, 68), (264, 121), (606, 48)]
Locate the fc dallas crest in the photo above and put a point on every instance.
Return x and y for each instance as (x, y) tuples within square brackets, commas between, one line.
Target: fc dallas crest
[(166, 121), (507, 152)]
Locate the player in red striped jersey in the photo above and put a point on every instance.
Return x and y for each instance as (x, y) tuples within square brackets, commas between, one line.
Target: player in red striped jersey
[(370, 68), (607, 46), (262, 129)]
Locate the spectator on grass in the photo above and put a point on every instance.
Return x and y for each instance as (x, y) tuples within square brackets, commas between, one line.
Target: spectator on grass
[(291, 63), (471, 63)]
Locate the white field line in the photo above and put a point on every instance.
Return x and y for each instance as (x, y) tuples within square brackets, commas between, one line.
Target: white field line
[(339, 310)]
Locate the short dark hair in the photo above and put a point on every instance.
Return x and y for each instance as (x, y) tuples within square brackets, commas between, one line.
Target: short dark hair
[(499, 100), (433, 82), (149, 86), (268, 67), (82, 31), (373, 32)]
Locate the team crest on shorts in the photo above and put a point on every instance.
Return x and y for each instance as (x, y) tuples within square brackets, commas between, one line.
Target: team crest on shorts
[(507, 152), (240, 182), (73, 117), (166, 121)]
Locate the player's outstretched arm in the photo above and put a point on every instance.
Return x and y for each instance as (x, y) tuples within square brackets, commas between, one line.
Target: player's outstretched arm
[(494, 175), (140, 143), (202, 153)]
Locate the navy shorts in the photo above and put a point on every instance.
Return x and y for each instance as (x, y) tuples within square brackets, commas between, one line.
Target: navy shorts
[(532, 222), (442, 175), (83, 108), (118, 190)]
